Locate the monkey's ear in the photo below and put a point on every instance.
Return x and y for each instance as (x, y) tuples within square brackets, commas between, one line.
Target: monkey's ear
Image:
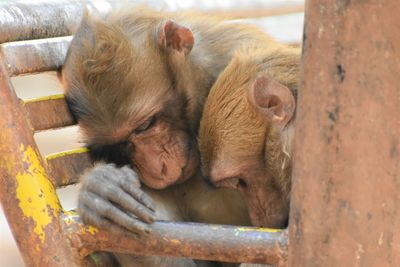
[(176, 37), (273, 99)]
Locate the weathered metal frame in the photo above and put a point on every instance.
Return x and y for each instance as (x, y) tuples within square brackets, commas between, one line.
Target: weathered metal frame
[(46, 234)]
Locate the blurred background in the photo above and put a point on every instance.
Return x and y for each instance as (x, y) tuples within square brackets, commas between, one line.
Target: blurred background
[(282, 19)]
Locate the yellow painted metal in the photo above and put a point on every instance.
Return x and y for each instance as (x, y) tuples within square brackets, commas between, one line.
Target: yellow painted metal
[(65, 153), (69, 220), (263, 230), (44, 98), (35, 193)]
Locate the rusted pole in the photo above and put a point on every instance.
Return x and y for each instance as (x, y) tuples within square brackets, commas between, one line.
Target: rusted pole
[(27, 196), (23, 20), (192, 240), (345, 208)]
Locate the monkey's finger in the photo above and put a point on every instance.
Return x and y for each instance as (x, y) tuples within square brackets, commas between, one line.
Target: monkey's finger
[(107, 210), (90, 217), (130, 176), (140, 196), (108, 181), (130, 183), (126, 201)]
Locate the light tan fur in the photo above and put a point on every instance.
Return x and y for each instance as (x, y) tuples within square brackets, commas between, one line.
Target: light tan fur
[(233, 131)]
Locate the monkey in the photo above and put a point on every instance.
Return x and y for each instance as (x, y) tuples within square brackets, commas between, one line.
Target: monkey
[(246, 131), (136, 81)]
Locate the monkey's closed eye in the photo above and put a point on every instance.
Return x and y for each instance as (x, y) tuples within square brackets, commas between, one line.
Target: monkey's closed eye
[(145, 125)]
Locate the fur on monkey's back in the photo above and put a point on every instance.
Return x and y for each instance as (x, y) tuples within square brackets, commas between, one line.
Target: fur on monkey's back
[(137, 20), (214, 36)]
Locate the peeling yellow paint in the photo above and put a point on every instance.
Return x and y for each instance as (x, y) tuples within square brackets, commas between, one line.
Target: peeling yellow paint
[(68, 218), (264, 230), (71, 217), (36, 194), (68, 152), (83, 228), (91, 229)]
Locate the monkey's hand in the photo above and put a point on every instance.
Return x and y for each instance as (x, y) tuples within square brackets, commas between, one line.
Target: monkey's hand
[(110, 198)]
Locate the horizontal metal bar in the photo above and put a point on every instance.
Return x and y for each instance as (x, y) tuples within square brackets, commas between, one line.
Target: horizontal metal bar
[(65, 167), (48, 18), (252, 9), (48, 112), (38, 19), (49, 54), (192, 240), (35, 55)]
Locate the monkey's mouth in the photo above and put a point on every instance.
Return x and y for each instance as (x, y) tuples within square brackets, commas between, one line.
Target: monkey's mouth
[(268, 211), (173, 172)]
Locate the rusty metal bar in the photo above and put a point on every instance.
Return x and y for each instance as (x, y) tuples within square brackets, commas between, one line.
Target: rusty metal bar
[(38, 19), (48, 112), (47, 54), (345, 206), (65, 167), (192, 240), (21, 20), (27, 196), (253, 9), (35, 55)]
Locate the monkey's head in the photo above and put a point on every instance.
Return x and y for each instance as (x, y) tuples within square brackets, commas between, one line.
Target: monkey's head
[(242, 138), (120, 89)]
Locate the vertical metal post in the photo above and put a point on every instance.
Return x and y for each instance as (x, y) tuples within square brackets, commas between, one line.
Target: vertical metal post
[(345, 208), (27, 195)]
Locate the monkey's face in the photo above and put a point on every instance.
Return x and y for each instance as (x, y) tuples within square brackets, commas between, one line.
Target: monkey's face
[(157, 144), (123, 96), (238, 147), (163, 153), (232, 152), (267, 206)]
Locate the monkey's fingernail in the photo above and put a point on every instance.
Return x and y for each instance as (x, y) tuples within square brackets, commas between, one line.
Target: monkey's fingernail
[(151, 218), (147, 230)]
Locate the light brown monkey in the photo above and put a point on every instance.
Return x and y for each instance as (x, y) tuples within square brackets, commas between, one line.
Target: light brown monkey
[(246, 132), (136, 82)]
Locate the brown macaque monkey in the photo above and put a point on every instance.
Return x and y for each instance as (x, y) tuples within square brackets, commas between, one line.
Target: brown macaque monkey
[(246, 132), (136, 81)]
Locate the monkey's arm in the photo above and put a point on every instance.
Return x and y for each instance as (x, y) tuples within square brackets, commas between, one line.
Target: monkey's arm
[(111, 198)]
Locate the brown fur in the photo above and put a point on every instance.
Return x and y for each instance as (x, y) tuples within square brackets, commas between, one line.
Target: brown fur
[(233, 133)]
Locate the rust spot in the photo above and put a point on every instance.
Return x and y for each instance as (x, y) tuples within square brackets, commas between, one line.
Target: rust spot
[(327, 239), (394, 153), (340, 72), (333, 115), (329, 188)]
